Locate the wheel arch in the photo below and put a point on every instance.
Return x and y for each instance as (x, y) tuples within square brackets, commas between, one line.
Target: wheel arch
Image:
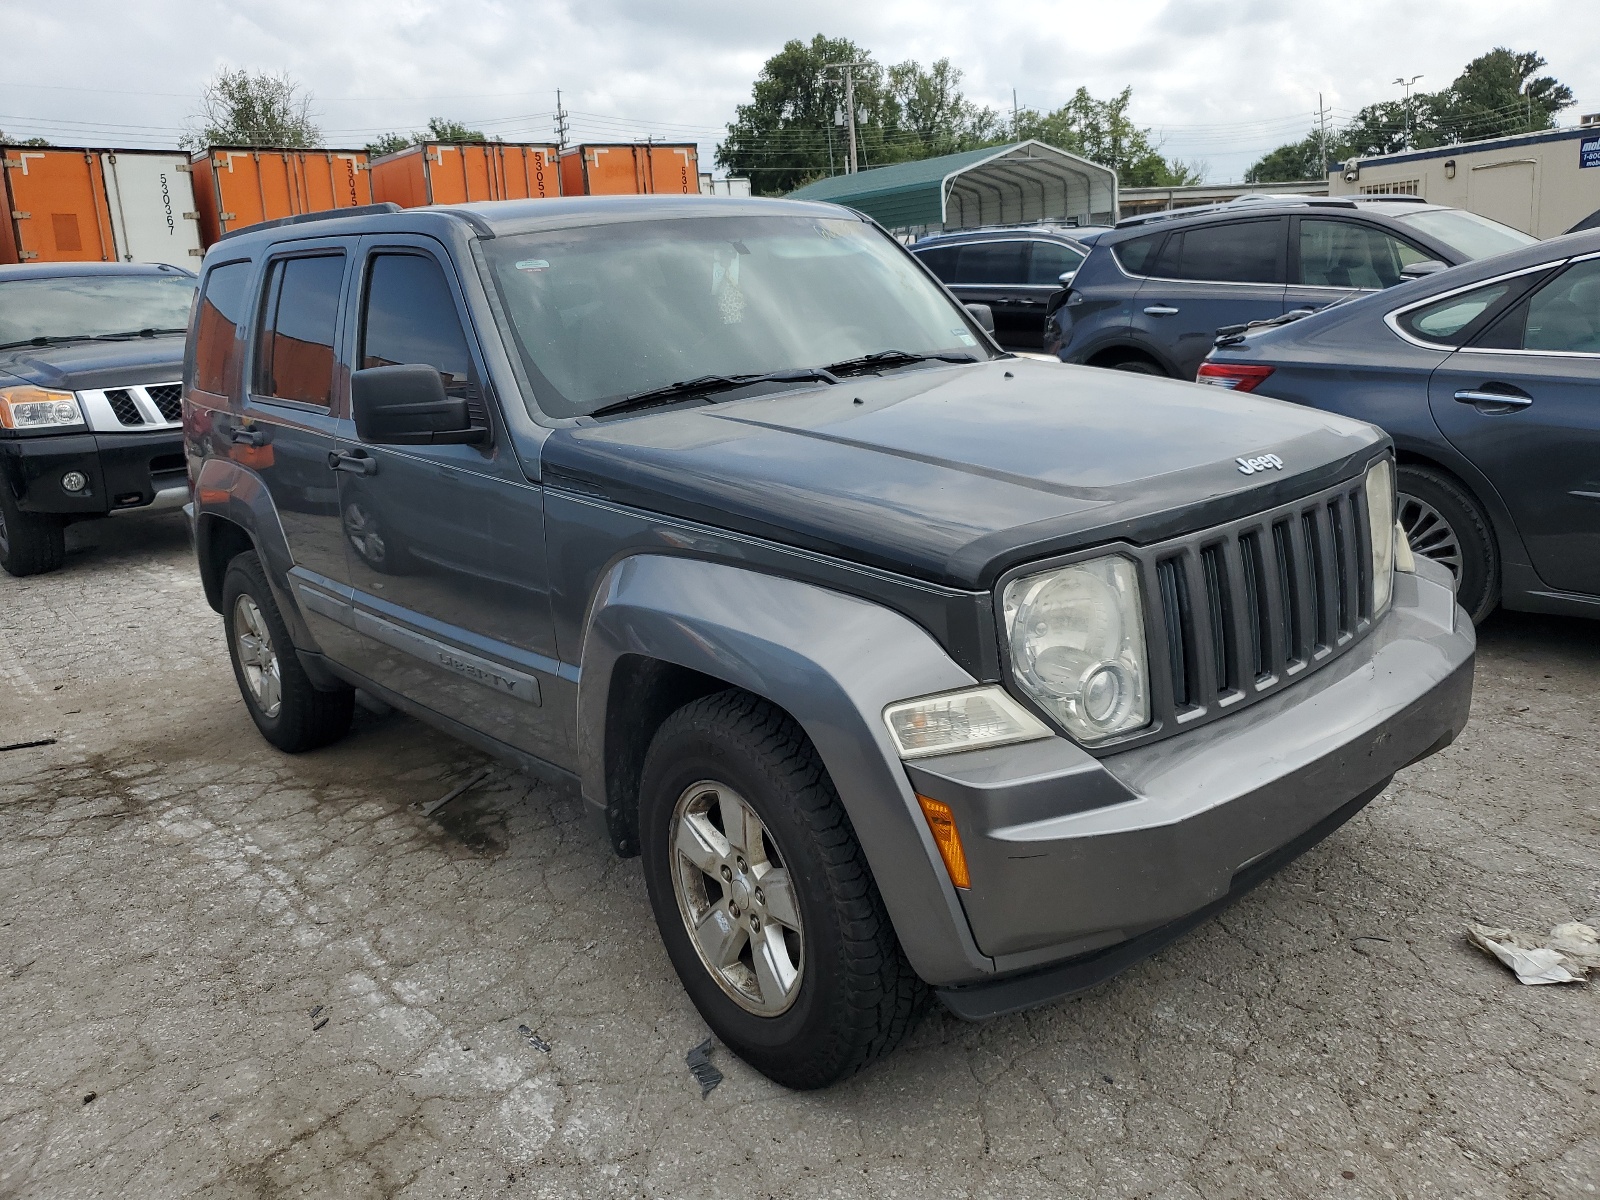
[(1122, 351), (1514, 560), (663, 630)]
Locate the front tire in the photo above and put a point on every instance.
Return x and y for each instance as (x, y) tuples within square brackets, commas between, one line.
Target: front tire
[(288, 710), (1443, 522), (30, 543), (763, 896)]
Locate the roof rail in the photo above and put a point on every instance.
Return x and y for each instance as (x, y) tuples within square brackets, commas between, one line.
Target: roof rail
[(359, 210)]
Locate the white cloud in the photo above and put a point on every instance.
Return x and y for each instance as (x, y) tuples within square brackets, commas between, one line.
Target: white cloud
[(1222, 80)]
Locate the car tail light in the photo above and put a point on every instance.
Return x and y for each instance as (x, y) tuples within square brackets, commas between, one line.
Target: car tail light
[(1237, 377)]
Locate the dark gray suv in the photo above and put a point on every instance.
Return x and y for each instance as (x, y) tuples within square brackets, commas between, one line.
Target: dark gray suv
[(1151, 295), (907, 666), (1014, 271)]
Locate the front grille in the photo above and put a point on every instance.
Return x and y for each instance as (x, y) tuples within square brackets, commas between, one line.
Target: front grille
[(168, 399), (1243, 609), (122, 404)]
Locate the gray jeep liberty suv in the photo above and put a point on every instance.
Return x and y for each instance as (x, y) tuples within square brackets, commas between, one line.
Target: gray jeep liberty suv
[(908, 666)]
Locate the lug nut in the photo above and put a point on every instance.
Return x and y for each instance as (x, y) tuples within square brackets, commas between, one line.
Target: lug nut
[(734, 910), (755, 923), (760, 899), (742, 867), (727, 875)]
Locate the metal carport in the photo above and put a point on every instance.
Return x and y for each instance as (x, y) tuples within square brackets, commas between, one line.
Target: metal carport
[(999, 185)]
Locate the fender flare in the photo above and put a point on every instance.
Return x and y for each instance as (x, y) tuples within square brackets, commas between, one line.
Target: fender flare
[(226, 491), (833, 662)]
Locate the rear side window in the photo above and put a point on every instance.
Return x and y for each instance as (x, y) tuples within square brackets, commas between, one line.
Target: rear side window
[(1445, 321), (941, 260), (294, 345), (1345, 254), (1240, 252), (222, 303), (1049, 261), (1138, 254), (410, 317), (993, 263), (1560, 317)]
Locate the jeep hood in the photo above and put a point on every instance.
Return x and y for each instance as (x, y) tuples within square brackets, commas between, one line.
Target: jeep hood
[(954, 474), (74, 365)]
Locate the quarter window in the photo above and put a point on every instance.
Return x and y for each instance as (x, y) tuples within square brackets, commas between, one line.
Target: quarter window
[(1344, 254), (1050, 261), (1239, 252), (294, 347), (1446, 321), (222, 302), (1137, 254)]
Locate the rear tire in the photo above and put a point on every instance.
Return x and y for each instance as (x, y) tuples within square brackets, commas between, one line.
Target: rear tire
[(852, 996), (290, 713), (1443, 522), (30, 543), (1138, 366)]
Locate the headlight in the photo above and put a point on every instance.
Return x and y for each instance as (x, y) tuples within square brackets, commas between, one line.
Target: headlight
[(1380, 522), (969, 720), (38, 408), (1077, 645)]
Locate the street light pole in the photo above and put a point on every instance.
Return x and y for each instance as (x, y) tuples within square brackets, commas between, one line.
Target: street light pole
[(1407, 84)]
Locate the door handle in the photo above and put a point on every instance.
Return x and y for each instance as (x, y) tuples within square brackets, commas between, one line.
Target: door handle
[(1496, 399), (249, 436), (1160, 310), (357, 462)]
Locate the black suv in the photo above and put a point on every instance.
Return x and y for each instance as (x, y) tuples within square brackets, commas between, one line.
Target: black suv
[(904, 664), (1015, 271), (1151, 296), (90, 399)]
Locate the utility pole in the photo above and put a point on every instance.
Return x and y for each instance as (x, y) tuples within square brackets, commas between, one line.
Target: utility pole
[(1016, 115), (848, 70), (561, 122), (1322, 129), (1408, 84)]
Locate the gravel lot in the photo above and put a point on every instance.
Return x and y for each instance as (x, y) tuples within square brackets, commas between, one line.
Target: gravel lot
[(177, 899)]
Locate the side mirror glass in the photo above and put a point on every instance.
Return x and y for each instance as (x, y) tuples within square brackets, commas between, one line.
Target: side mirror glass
[(407, 406), (1418, 270), (983, 315)]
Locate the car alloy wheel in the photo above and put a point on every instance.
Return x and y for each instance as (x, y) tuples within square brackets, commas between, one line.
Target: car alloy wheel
[(736, 899), (1429, 533), (257, 659)]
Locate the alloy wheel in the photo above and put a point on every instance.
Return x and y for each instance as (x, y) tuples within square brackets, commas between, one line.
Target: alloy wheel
[(737, 899), (258, 661), (1429, 533)]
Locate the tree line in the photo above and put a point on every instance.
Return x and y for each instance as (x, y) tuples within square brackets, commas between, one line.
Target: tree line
[(1496, 94)]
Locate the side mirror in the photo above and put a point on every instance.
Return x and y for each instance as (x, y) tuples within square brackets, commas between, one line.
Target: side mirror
[(983, 315), (1419, 270), (1066, 277), (407, 406)]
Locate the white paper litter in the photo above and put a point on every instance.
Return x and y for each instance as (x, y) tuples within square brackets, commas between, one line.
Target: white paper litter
[(1567, 955)]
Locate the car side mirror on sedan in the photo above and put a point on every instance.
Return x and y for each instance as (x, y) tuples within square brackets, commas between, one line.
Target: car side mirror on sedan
[(983, 315), (1066, 277), (407, 406), (1420, 270)]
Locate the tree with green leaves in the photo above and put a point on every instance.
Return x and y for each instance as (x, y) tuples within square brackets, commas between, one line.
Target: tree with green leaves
[(1101, 131), (252, 108), (33, 141), (440, 129), (1496, 94)]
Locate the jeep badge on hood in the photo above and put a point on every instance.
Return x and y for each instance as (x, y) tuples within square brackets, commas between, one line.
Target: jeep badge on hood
[(1262, 462)]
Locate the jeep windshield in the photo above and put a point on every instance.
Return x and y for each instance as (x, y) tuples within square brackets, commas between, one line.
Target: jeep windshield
[(66, 308), (602, 313)]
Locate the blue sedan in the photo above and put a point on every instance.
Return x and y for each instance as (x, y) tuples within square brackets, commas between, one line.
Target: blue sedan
[(1488, 378)]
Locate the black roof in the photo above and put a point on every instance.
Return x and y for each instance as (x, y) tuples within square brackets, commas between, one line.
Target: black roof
[(75, 270)]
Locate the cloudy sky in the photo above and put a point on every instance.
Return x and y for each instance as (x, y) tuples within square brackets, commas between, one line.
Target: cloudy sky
[(1220, 81)]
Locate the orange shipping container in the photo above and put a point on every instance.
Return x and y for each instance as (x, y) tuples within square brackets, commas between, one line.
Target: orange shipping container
[(235, 186), (631, 168), (55, 207), (457, 172)]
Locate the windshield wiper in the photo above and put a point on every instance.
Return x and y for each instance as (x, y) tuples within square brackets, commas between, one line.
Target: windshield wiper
[(706, 384), (896, 358), (53, 339), (134, 333)]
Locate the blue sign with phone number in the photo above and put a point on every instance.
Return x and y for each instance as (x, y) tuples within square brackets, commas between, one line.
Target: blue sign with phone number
[(1589, 152)]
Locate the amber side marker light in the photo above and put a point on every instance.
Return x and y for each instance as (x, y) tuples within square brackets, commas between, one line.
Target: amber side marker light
[(942, 823)]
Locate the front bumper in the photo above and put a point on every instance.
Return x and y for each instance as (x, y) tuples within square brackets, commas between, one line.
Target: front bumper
[(1081, 866), (126, 472)]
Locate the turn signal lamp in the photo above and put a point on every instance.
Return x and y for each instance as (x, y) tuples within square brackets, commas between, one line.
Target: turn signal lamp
[(942, 824), (38, 408)]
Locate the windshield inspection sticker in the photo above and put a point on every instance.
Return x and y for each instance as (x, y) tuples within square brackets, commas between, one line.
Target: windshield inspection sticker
[(532, 264)]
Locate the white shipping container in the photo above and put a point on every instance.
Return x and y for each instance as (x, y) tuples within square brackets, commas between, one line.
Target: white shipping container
[(723, 187), (150, 194)]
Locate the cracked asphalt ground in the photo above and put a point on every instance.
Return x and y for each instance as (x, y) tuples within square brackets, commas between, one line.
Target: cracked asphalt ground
[(177, 900)]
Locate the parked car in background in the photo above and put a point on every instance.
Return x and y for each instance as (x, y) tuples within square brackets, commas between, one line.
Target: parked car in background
[(91, 359), (1150, 297), (1488, 379), (906, 666), (1014, 271)]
